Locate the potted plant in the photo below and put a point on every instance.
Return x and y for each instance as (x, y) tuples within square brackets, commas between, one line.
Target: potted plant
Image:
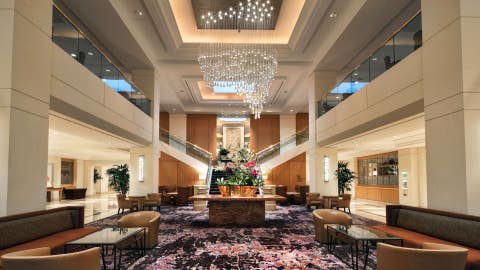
[(96, 176), (222, 153), (119, 178), (223, 187), (344, 176)]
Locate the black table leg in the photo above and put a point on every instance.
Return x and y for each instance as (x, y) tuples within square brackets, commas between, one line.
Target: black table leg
[(367, 251), (103, 248)]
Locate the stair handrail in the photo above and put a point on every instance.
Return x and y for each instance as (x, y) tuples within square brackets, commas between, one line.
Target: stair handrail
[(206, 154), (299, 137)]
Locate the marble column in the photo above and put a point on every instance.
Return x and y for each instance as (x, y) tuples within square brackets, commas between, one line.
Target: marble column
[(452, 103), (144, 160), (319, 84), (25, 70)]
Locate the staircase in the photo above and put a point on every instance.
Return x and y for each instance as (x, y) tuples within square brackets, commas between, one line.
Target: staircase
[(187, 152), (216, 174), (284, 150)]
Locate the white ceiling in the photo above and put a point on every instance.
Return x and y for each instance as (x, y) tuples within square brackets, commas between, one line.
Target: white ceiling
[(406, 133), (70, 139), (317, 42)]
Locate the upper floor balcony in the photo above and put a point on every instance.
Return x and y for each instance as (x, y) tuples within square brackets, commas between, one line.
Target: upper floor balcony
[(401, 44)]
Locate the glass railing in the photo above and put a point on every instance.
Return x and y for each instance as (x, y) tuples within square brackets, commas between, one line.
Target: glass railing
[(399, 46), (275, 149), (72, 41), (186, 147)]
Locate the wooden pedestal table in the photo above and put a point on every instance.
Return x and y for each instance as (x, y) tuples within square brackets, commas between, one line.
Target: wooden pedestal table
[(237, 210)]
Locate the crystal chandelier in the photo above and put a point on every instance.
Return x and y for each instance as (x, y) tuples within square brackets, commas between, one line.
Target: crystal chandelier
[(248, 68)]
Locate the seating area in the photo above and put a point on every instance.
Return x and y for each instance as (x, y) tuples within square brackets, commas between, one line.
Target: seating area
[(240, 134)]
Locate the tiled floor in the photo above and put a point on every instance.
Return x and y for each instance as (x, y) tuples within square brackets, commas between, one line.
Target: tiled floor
[(96, 206), (104, 205)]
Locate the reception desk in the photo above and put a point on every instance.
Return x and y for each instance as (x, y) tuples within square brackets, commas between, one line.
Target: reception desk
[(237, 210)]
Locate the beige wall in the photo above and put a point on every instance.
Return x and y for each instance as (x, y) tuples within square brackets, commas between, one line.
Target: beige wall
[(412, 162)]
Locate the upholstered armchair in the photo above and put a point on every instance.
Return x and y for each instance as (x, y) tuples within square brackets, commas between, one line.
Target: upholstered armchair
[(165, 197), (183, 194), (282, 191), (123, 203), (324, 217), (430, 257), (302, 197), (314, 199), (342, 202), (153, 200), (147, 219), (41, 259)]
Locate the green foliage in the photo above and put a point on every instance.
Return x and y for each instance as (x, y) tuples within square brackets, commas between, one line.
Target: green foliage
[(96, 176), (223, 151), (222, 182), (345, 176), (258, 182), (119, 178)]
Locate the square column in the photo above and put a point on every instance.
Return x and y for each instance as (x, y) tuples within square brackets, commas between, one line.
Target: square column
[(144, 160), (452, 104), (319, 84), (25, 70)]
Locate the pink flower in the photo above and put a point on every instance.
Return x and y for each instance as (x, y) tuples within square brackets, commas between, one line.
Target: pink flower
[(250, 164), (254, 173)]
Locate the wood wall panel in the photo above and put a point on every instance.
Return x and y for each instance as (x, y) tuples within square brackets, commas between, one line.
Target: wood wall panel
[(378, 193), (165, 121), (289, 173), (301, 121), (264, 132), (202, 131), (173, 172)]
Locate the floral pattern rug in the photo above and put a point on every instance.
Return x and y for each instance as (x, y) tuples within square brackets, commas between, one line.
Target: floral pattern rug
[(286, 241)]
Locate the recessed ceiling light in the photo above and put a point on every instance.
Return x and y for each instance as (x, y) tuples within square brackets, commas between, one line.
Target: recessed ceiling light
[(107, 70), (333, 15), (138, 12), (337, 97), (90, 53), (291, 110), (244, 111), (374, 59), (73, 55), (355, 74)]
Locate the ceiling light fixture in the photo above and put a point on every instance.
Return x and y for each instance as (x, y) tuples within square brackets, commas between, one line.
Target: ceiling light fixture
[(333, 15), (138, 12), (248, 68)]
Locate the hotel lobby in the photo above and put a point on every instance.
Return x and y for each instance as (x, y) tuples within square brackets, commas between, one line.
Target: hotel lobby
[(239, 134)]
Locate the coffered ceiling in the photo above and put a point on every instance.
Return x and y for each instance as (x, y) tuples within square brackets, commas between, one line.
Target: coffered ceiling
[(309, 35)]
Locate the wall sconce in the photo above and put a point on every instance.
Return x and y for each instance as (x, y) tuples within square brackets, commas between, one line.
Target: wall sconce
[(326, 168), (141, 168)]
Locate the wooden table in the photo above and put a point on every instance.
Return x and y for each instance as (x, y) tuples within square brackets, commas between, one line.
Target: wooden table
[(237, 210), (58, 189), (140, 199), (328, 201)]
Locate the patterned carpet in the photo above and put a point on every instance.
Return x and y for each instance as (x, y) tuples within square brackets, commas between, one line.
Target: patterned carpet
[(285, 242)]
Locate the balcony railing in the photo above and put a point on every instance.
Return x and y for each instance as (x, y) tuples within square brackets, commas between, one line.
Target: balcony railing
[(400, 45), (72, 41)]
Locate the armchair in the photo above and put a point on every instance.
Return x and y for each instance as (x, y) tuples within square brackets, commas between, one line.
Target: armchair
[(40, 259), (324, 217), (342, 202), (153, 200), (302, 197), (314, 199), (184, 194), (148, 219), (123, 203), (282, 191), (431, 257)]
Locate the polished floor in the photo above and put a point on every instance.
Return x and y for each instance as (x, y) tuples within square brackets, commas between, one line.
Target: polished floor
[(104, 205)]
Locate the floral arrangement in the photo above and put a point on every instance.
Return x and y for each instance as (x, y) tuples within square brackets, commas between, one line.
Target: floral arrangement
[(245, 171)]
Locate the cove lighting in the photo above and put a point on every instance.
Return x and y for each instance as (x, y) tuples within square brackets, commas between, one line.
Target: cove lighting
[(326, 168), (232, 119)]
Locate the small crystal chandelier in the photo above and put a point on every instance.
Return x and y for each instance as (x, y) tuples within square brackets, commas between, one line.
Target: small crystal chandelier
[(248, 68)]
